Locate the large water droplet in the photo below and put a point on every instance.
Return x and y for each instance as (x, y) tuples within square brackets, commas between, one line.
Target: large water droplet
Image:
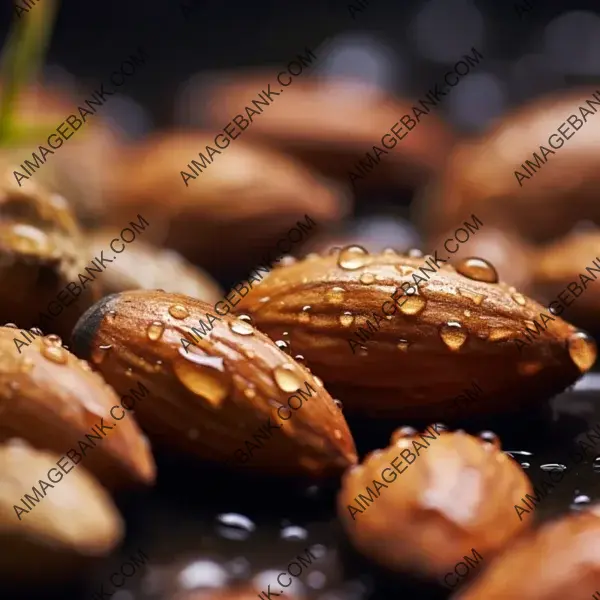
[(234, 526), (287, 378), (28, 239), (582, 350), (178, 311), (246, 319), (490, 438), (352, 258), (413, 305), (241, 327), (203, 375), (283, 346), (453, 335), (335, 295), (56, 354), (478, 269), (473, 296), (155, 330), (367, 278), (580, 501), (346, 319)]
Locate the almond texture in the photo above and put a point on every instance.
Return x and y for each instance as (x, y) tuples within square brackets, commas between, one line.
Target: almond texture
[(214, 381), (423, 351), (446, 493), (53, 400)]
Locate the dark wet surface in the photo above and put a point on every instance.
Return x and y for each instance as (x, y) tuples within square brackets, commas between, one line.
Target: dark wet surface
[(206, 527)]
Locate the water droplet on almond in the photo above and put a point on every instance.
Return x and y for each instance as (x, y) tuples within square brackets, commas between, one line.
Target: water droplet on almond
[(203, 375), (287, 378), (582, 350), (304, 316), (56, 354), (403, 345), (283, 346), (476, 298), (246, 319), (367, 278), (453, 335), (467, 313), (346, 319), (389, 252), (403, 432), (335, 295), (412, 305), (99, 353), (352, 258), (499, 334), (249, 393), (478, 269), (155, 331), (241, 327), (415, 253), (178, 311), (491, 438), (28, 239), (300, 359), (404, 269), (338, 404), (52, 340), (519, 299)]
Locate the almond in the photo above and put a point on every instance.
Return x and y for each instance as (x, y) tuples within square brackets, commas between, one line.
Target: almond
[(417, 354), (558, 561), (423, 502), (75, 518), (147, 267), (214, 382), (40, 254), (54, 401)]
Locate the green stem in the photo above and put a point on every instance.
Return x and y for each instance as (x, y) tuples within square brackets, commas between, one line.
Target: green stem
[(22, 58)]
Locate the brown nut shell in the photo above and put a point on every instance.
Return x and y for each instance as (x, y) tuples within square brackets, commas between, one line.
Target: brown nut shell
[(40, 253), (558, 561), (456, 494), (247, 193), (213, 392), (455, 330), (76, 517), (145, 267), (311, 121), (53, 400)]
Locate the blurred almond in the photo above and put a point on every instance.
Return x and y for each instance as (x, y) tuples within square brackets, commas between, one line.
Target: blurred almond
[(214, 382), (76, 517), (53, 400), (449, 326), (428, 499), (146, 267)]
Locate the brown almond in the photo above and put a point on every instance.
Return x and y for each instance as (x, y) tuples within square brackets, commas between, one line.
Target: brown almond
[(54, 401), (74, 517), (146, 267), (40, 254), (214, 383), (558, 561), (428, 499), (420, 353)]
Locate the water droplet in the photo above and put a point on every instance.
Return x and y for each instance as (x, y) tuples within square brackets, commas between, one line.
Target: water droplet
[(596, 464), (283, 346), (52, 339), (389, 252), (338, 404), (473, 296), (264, 299), (581, 499), (403, 345), (467, 313), (346, 319), (287, 378), (335, 295), (490, 438), (203, 375), (318, 380), (312, 256), (499, 334), (352, 258), (11, 325), (294, 533), (362, 351), (234, 526), (304, 316), (438, 427), (367, 278), (99, 354), (250, 393), (129, 372), (403, 432), (299, 358), (478, 269), (287, 260), (529, 368), (413, 305), (415, 253), (178, 311), (553, 467), (519, 299), (404, 269), (582, 350), (111, 314), (246, 319), (453, 335), (28, 239), (241, 327), (337, 434), (525, 465), (155, 330), (55, 354)]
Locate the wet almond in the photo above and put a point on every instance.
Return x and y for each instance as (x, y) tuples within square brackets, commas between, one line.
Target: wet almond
[(54, 401), (218, 388), (401, 335), (429, 498)]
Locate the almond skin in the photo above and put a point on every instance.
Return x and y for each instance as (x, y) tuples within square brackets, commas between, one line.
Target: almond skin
[(558, 561), (52, 399), (75, 518), (458, 493), (456, 330), (209, 397)]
